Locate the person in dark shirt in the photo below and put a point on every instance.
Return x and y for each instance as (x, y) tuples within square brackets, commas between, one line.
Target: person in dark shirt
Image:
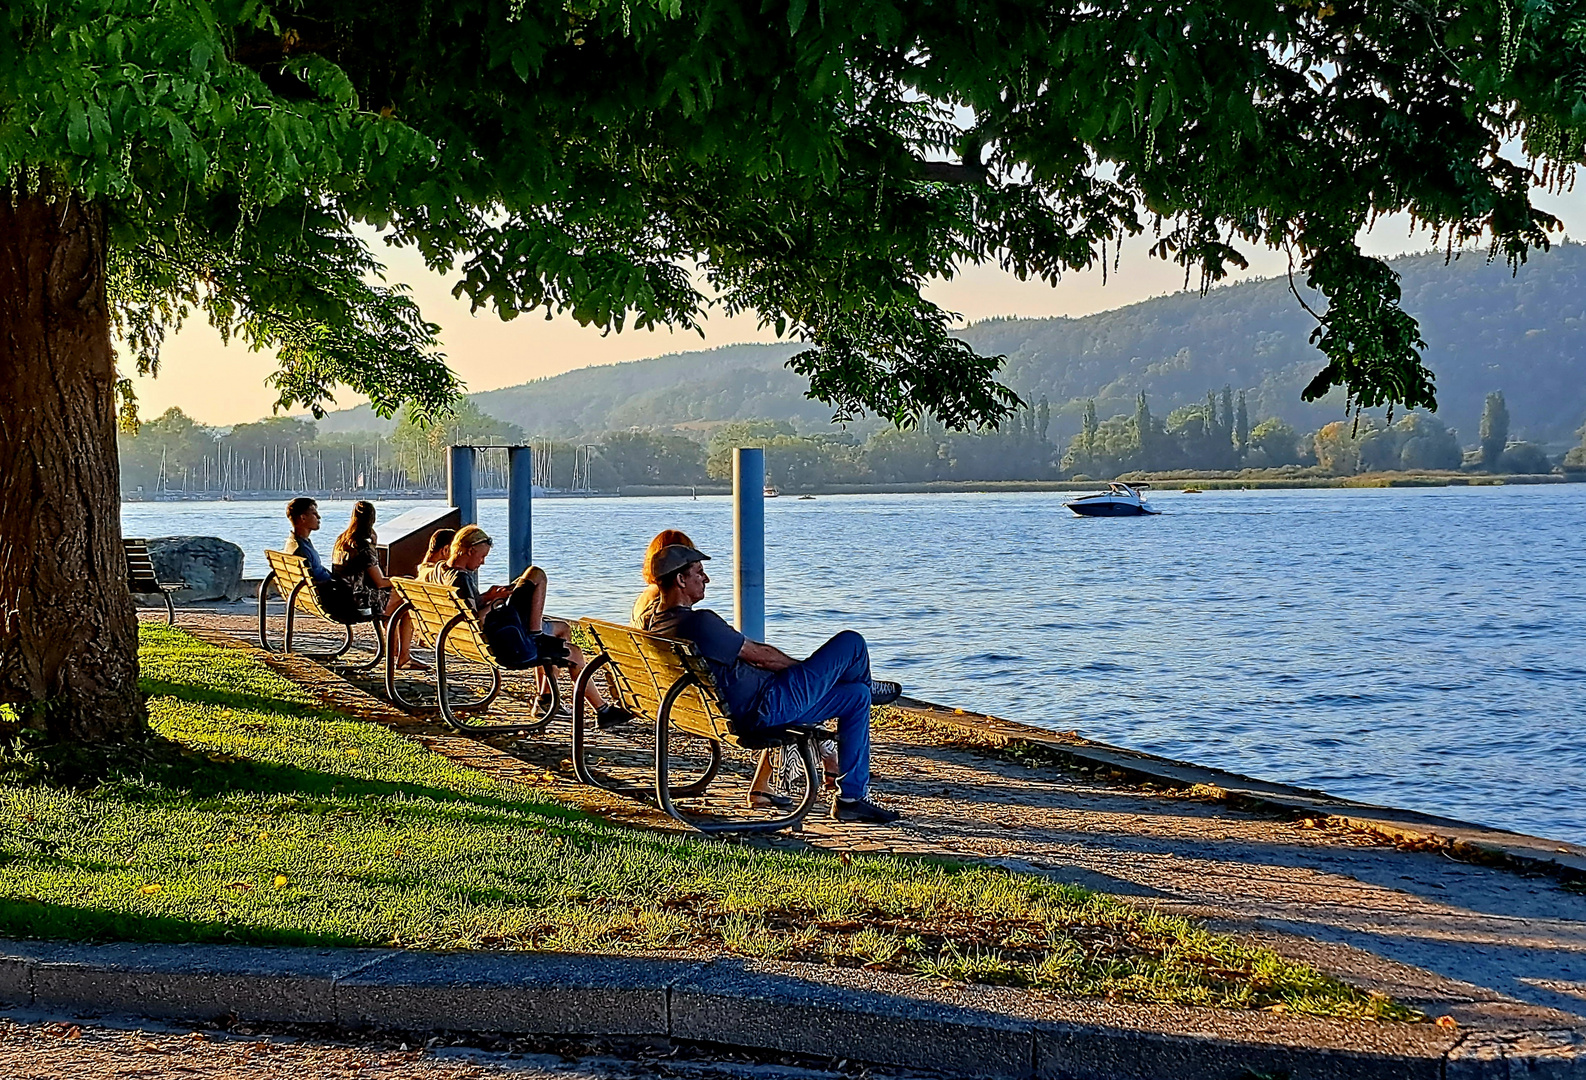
[(513, 616), (356, 559), (764, 687), (303, 513)]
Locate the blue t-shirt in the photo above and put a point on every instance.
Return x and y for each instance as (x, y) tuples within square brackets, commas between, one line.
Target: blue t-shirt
[(303, 548), (741, 684)]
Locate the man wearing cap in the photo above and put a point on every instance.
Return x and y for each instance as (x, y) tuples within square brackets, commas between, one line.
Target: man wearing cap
[(766, 688), (513, 616)]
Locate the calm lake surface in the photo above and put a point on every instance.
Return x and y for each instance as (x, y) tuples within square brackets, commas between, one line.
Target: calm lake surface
[(1423, 648)]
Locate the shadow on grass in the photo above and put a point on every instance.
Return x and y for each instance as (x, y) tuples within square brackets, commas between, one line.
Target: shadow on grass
[(29, 919), (161, 770), (233, 699)]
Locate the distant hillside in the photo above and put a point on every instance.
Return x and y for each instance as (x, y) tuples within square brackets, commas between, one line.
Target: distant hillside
[(1486, 330)]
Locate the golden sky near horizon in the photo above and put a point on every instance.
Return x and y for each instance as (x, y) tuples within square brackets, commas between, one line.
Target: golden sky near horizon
[(225, 384)]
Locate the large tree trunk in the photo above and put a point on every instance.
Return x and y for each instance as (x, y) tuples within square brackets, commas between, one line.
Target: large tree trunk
[(68, 631)]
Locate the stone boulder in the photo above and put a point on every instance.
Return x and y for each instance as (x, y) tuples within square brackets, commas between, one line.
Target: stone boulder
[(211, 567)]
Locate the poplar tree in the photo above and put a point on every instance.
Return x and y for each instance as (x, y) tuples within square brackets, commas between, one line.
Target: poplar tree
[(633, 162), (1144, 428), (1242, 427), (1494, 429), (1089, 427)]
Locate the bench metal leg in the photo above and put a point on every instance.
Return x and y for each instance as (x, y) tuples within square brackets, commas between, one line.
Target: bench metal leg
[(379, 647), (581, 745), (291, 627), (264, 618), (454, 713), (391, 690), (580, 733), (291, 616), (170, 609), (580, 713), (665, 793)]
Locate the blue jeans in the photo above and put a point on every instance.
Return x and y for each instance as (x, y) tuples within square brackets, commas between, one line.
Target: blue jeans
[(833, 683)]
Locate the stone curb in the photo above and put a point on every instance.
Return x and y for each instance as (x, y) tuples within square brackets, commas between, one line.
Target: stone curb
[(959, 1031), (1477, 843)]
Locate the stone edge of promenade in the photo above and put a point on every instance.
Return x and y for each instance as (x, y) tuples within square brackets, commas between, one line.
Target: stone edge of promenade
[(1479, 843), (881, 1019)]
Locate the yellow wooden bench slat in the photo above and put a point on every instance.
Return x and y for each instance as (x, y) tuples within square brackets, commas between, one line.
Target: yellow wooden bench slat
[(434, 606), (662, 662), (290, 571), (141, 575), (647, 669)]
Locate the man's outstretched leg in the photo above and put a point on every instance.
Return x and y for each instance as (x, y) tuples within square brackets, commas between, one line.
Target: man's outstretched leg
[(795, 696)]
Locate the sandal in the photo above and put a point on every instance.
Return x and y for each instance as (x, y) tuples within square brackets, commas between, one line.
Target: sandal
[(413, 664), (765, 800)]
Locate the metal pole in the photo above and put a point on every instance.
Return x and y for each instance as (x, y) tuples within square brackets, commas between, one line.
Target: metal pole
[(520, 509), (748, 541), (460, 483)]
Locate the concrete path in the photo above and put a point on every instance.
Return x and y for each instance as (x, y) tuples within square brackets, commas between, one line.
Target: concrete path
[(56, 1047), (1492, 948)]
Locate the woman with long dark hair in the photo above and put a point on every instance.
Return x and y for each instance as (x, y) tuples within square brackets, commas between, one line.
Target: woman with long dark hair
[(354, 557)]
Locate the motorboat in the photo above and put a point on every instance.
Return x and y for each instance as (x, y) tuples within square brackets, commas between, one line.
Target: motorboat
[(770, 491), (1119, 500)]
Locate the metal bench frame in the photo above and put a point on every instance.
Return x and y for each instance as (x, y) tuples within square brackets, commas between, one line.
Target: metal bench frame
[(289, 575), (446, 622), (142, 578), (668, 680)]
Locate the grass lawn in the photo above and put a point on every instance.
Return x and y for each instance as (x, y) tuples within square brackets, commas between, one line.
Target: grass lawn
[(268, 820)]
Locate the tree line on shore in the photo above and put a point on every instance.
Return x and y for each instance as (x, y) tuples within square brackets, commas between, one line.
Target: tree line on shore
[(175, 453)]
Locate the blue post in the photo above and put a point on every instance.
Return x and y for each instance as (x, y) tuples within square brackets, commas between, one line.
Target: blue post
[(460, 483), (520, 509), (748, 541)]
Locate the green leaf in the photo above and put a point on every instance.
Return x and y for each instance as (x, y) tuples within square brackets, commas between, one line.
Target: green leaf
[(795, 14), (77, 128)]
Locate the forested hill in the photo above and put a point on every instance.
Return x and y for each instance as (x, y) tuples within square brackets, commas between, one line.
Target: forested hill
[(1486, 329)]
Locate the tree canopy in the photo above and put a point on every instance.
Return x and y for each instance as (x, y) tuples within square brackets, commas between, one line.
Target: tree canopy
[(632, 162)]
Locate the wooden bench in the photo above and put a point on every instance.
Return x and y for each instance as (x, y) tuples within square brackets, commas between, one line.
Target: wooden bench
[(446, 623), (141, 577), (290, 577), (668, 681)]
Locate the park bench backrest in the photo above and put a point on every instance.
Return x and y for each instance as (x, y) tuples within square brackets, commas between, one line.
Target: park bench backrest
[(289, 570), (140, 567), (436, 605), (645, 666)]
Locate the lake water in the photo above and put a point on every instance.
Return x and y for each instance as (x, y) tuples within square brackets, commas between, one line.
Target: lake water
[(1423, 648)]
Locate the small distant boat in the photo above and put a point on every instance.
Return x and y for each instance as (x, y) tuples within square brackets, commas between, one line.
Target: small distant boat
[(806, 497), (1190, 491), (770, 491), (1119, 500)]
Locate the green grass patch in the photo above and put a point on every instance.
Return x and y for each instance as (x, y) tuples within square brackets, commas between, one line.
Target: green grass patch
[(262, 818)]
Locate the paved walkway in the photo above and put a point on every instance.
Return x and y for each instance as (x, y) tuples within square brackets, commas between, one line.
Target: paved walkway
[(38, 1047), (1485, 945)]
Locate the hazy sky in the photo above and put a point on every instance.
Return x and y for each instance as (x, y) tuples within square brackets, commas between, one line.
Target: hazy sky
[(221, 384)]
